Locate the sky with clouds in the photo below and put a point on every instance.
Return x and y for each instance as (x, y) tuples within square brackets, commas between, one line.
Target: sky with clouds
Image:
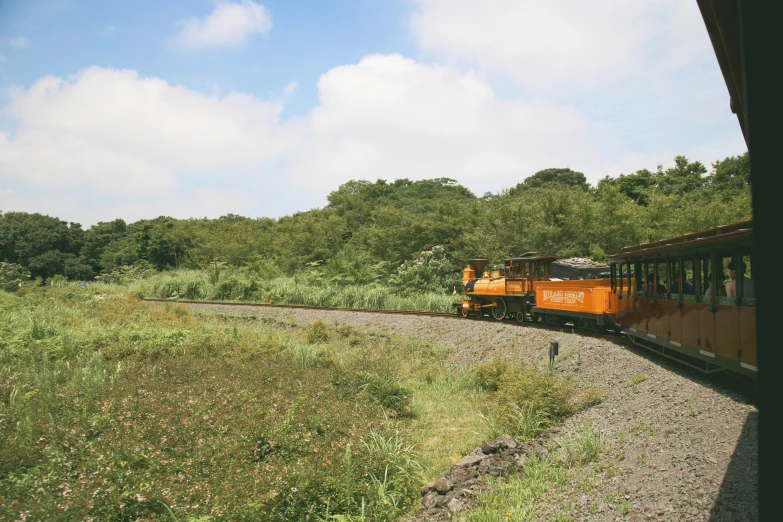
[(261, 108)]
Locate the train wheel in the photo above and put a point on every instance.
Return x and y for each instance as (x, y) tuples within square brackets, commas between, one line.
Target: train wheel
[(520, 317), (463, 312), (499, 310)]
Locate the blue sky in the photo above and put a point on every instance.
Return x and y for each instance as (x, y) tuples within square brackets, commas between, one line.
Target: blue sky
[(201, 108)]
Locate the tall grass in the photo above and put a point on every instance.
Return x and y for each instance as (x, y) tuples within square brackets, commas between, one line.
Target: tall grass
[(263, 421), (237, 286)]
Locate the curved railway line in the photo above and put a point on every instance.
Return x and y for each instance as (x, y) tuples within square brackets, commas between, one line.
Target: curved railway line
[(615, 337), (729, 379)]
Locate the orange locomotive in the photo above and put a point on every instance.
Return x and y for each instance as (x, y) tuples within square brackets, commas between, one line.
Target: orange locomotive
[(690, 298), (524, 290)]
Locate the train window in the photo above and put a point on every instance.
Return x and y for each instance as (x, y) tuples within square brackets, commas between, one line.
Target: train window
[(725, 281), (640, 271), (674, 282), (611, 276), (661, 279), (688, 279), (649, 278), (706, 280), (746, 286), (629, 267)]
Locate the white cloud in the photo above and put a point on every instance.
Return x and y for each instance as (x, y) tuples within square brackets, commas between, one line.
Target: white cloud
[(391, 117), (18, 42), (140, 147), (561, 43), (119, 132), (230, 24)]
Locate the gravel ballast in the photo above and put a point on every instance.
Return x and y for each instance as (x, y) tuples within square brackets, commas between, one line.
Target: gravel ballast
[(680, 445)]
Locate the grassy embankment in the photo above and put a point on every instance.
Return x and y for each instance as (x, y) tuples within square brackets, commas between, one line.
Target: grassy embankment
[(115, 410), (235, 285)]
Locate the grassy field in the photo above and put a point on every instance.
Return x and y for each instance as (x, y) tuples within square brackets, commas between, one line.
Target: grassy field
[(235, 285), (112, 409)]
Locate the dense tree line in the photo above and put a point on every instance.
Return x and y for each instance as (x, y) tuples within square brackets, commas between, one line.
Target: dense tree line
[(385, 232)]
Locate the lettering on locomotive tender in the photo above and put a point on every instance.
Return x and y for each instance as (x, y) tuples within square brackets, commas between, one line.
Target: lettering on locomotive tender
[(564, 296)]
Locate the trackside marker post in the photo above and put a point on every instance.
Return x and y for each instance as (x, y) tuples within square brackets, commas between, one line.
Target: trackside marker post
[(553, 351)]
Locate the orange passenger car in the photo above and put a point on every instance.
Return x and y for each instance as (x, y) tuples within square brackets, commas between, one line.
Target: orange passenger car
[(691, 298)]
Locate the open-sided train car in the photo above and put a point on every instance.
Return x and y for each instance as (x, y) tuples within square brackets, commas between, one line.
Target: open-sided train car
[(660, 294), (691, 298)]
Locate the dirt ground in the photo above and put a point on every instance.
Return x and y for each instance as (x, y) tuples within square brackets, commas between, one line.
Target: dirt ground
[(679, 445)]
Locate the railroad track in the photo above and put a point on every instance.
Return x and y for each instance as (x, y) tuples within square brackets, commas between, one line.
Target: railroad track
[(615, 337)]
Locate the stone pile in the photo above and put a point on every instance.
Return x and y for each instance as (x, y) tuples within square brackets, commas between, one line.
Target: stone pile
[(455, 489)]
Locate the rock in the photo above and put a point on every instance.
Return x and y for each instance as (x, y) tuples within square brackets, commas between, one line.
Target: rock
[(430, 500), (426, 489), (488, 449), (455, 505), (443, 485), (468, 461)]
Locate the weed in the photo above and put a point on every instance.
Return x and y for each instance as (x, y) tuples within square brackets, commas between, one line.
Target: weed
[(636, 380), (641, 427), (622, 436), (585, 447), (642, 458), (694, 412), (317, 331), (625, 508)]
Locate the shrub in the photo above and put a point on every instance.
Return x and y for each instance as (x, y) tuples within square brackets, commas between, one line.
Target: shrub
[(317, 331), (12, 276), (529, 401)]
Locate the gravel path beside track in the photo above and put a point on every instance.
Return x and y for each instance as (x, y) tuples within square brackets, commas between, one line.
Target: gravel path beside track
[(679, 445)]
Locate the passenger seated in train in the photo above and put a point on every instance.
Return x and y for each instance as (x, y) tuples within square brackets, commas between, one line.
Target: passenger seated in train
[(687, 287), (721, 288), (748, 289), (469, 286)]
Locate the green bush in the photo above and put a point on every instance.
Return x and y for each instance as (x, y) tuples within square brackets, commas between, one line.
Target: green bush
[(529, 401), (12, 276)]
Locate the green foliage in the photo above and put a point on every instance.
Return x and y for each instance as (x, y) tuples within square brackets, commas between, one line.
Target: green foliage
[(377, 379), (12, 275), (225, 421), (125, 274), (402, 237), (529, 401), (567, 177), (428, 272)]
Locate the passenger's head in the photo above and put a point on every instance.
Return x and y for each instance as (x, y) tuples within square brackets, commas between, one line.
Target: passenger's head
[(743, 267)]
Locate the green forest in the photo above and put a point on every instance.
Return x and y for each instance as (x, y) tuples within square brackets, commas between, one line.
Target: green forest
[(407, 236)]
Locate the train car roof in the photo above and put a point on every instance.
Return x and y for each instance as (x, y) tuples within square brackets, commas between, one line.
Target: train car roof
[(721, 20), (705, 238)]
